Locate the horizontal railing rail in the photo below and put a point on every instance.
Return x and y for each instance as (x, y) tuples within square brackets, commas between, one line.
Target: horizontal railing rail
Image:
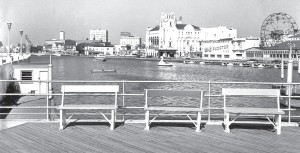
[(124, 93)]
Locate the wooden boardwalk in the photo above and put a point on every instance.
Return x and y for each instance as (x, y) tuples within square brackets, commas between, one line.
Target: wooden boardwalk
[(96, 137)]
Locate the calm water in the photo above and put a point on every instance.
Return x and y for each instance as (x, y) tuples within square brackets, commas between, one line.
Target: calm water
[(79, 68)]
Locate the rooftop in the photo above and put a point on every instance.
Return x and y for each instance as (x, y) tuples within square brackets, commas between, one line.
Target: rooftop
[(285, 46), (181, 26)]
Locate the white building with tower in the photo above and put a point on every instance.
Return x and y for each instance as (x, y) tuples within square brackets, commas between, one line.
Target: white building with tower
[(172, 38), (99, 34)]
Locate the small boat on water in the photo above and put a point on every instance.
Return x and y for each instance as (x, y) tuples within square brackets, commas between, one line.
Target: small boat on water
[(229, 64), (99, 57), (261, 65), (163, 63), (244, 65), (189, 62), (277, 66), (254, 65), (56, 54), (202, 63)]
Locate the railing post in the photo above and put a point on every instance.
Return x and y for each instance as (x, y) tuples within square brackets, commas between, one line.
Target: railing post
[(123, 102), (47, 98), (289, 105), (209, 86)]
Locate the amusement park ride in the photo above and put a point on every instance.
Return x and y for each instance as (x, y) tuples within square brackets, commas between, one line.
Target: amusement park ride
[(277, 28)]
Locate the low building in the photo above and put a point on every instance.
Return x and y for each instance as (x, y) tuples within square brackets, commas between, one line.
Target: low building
[(28, 72), (277, 52), (227, 49), (103, 49)]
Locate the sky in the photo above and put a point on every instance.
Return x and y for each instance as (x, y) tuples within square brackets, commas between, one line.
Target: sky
[(43, 19)]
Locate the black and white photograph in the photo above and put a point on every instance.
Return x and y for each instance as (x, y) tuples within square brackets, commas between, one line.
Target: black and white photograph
[(153, 76)]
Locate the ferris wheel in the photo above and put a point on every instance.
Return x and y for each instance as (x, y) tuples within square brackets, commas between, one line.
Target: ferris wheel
[(276, 29)]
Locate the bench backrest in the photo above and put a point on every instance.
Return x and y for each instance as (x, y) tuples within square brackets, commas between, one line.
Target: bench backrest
[(173, 93), (251, 93), (89, 89)]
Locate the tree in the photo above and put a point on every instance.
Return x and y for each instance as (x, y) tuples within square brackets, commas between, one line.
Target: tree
[(80, 47), (1, 44)]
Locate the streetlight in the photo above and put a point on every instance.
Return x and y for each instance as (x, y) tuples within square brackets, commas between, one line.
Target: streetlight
[(9, 27), (21, 33)]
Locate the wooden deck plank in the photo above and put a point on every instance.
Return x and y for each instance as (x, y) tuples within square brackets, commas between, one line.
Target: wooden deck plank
[(45, 137)]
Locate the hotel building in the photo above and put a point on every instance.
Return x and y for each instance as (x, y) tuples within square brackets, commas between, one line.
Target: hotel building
[(99, 34), (172, 38)]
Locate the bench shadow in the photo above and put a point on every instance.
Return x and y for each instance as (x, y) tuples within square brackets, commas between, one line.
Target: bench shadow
[(72, 124), (187, 125), (266, 127)]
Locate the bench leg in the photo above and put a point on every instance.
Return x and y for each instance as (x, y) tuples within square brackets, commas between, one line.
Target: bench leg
[(62, 120), (147, 116), (113, 118), (227, 130), (278, 124), (198, 122)]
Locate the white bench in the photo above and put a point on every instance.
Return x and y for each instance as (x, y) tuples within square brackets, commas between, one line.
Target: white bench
[(274, 93), (171, 93), (111, 90)]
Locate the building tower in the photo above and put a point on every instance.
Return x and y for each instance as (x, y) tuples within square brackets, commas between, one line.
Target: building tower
[(62, 35)]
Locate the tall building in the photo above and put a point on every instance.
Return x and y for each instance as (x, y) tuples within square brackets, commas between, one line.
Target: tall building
[(172, 38), (62, 35), (99, 34), (125, 34)]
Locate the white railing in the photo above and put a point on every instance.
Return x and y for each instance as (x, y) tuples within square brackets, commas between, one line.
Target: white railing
[(124, 93)]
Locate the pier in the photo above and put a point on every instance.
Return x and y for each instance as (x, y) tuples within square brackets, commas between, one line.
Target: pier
[(96, 137)]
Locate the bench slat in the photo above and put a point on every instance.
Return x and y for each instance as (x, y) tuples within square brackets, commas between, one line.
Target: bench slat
[(173, 108), (249, 92), (172, 93), (87, 107), (257, 111), (89, 88)]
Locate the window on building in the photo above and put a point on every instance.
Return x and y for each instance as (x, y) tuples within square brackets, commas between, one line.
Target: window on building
[(219, 56), (205, 55), (26, 75), (212, 56), (238, 55), (226, 56)]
